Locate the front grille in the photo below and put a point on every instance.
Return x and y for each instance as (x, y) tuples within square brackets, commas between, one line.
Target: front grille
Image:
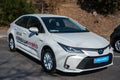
[(88, 62)]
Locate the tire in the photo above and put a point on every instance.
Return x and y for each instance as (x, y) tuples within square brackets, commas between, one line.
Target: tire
[(116, 45), (48, 60), (11, 44)]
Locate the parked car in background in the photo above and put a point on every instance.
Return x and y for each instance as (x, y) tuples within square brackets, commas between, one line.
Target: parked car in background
[(59, 43), (115, 39)]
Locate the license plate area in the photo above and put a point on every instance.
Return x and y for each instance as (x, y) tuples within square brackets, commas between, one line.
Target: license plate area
[(101, 59)]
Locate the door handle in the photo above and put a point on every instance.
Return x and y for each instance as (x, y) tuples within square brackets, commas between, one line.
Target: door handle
[(24, 33), (15, 28)]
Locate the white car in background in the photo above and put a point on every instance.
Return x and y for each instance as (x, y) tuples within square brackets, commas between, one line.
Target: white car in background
[(59, 43)]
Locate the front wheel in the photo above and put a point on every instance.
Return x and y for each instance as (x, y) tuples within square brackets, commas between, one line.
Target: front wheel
[(116, 45), (11, 43), (48, 60)]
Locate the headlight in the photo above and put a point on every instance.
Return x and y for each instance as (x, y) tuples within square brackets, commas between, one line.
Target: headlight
[(71, 49)]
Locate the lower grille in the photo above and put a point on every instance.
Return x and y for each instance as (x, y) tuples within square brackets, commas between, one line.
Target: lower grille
[(88, 62)]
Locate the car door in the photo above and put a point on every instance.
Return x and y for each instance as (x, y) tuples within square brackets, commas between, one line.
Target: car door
[(20, 32), (34, 41)]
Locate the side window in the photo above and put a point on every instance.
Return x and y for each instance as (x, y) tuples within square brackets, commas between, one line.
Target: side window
[(22, 21), (34, 22)]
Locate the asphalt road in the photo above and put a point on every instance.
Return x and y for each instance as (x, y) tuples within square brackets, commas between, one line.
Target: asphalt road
[(19, 66)]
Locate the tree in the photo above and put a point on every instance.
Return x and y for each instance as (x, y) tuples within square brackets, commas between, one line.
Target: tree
[(101, 6), (11, 9)]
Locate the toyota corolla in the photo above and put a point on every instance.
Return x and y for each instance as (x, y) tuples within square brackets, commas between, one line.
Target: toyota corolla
[(60, 43)]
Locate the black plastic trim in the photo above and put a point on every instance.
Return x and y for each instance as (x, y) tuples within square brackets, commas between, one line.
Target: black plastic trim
[(88, 62)]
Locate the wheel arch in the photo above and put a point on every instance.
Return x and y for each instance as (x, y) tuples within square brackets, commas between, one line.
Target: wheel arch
[(13, 35), (10, 35), (113, 39), (14, 46), (47, 47)]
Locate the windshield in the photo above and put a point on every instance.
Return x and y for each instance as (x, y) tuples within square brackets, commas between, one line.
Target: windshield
[(62, 25)]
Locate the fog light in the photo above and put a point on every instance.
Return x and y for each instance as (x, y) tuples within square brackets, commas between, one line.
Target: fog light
[(67, 66)]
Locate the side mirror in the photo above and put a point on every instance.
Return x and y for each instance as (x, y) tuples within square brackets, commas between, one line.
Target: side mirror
[(34, 30)]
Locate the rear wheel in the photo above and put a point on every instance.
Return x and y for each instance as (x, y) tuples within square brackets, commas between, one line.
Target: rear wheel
[(11, 43), (48, 60)]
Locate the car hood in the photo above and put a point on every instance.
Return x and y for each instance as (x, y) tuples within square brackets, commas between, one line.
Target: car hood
[(82, 40)]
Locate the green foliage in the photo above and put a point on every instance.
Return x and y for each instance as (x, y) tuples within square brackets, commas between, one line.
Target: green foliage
[(11, 9), (101, 6)]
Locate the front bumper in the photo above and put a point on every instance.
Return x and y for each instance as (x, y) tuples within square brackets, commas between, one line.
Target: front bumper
[(76, 64), (88, 62)]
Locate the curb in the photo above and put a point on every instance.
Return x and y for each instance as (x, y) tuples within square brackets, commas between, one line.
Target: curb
[(3, 33), (2, 36)]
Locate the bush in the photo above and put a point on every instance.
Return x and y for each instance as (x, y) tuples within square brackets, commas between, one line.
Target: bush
[(11, 9), (101, 6)]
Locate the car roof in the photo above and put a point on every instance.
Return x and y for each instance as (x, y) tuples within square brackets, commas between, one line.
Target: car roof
[(44, 15)]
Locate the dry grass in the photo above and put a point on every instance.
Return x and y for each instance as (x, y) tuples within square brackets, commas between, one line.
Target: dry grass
[(3, 27)]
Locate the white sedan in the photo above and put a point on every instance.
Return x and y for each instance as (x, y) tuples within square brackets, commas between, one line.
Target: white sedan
[(59, 43)]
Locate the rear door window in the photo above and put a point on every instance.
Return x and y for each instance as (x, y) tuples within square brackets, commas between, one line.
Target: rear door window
[(22, 21)]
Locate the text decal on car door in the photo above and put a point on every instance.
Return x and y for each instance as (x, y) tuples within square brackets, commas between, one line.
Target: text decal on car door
[(32, 44), (27, 43)]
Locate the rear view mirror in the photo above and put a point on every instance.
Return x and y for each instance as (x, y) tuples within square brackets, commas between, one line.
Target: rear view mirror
[(33, 29)]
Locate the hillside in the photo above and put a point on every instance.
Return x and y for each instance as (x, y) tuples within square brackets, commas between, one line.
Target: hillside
[(97, 23)]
